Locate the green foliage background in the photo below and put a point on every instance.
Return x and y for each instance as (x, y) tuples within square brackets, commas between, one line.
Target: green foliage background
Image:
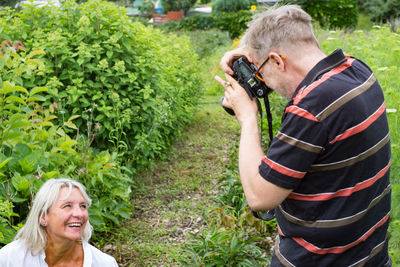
[(226, 6), (133, 86), (93, 96), (35, 147), (333, 14)]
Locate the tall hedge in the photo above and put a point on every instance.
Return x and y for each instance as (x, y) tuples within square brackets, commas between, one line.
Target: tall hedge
[(132, 86), (221, 6), (34, 148), (333, 14)]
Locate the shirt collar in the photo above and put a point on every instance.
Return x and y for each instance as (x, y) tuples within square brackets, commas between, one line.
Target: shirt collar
[(335, 59)]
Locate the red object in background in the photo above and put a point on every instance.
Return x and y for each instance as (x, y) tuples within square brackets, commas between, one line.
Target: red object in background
[(175, 15)]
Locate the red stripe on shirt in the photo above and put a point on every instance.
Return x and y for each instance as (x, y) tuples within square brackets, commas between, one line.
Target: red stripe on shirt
[(303, 93), (282, 169), (300, 112), (343, 192), (338, 250), (362, 126)]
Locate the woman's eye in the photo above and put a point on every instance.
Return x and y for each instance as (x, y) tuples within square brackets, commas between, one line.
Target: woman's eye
[(83, 206), (67, 206)]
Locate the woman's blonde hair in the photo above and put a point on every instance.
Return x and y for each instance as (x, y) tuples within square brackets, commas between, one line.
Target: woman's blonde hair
[(32, 233), (276, 27)]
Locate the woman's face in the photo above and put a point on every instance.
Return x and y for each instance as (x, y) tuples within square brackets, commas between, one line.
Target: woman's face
[(68, 216)]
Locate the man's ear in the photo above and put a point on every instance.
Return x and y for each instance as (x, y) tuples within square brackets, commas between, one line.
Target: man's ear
[(277, 60)]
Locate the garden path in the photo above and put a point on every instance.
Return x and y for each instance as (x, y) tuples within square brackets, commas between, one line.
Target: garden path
[(171, 198)]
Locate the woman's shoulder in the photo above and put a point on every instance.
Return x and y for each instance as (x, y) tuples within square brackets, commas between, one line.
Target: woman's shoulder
[(100, 258), (16, 254), (13, 249)]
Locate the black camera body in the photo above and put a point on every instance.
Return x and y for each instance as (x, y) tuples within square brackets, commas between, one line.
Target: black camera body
[(245, 73)]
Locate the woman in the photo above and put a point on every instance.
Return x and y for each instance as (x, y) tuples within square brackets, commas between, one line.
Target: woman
[(57, 231)]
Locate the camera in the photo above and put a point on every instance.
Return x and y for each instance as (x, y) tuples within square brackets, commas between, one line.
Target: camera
[(247, 76)]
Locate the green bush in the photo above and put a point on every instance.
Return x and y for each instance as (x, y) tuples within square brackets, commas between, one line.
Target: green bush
[(221, 6), (225, 248), (195, 22), (335, 14), (35, 147), (176, 5), (235, 22), (381, 10), (137, 85)]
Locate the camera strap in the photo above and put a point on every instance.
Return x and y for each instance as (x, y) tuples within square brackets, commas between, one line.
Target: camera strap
[(269, 214), (269, 118)]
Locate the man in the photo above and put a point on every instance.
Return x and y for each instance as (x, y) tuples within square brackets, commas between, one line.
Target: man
[(327, 169)]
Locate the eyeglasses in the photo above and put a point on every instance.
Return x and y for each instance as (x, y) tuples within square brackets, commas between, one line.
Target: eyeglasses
[(258, 74)]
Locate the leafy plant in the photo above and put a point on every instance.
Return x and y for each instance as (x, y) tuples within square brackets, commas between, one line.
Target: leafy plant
[(141, 85), (381, 10), (234, 22), (176, 5), (35, 147), (335, 14), (228, 6), (225, 248), (195, 22)]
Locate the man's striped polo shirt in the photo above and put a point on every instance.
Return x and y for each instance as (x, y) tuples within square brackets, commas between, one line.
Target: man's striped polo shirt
[(333, 150)]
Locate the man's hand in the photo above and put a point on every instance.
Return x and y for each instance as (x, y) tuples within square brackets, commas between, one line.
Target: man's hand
[(230, 56), (237, 99)]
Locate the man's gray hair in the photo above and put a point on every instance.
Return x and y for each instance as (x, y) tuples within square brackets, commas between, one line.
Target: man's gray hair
[(32, 233), (276, 27)]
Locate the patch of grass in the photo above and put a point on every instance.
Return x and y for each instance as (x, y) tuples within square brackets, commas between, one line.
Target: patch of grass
[(174, 196)]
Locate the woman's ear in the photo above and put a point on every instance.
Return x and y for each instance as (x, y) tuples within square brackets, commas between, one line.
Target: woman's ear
[(42, 220)]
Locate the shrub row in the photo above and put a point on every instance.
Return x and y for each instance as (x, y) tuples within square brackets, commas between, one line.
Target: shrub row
[(132, 86), (35, 147), (91, 96), (235, 23)]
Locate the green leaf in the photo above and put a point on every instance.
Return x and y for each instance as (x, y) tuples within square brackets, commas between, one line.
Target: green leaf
[(3, 163), (35, 53), (36, 98), (73, 117), (22, 150), (8, 88), (113, 218), (51, 174), (29, 163), (20, 183), (38, 90), (14, 135), (71, 125), (68, 144), (19, 124), (14, 98)]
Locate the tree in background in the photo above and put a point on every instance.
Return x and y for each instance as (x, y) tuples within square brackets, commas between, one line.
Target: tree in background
[(176, 5), (380, 10), (221, 6), (333, 14), (10, 3)]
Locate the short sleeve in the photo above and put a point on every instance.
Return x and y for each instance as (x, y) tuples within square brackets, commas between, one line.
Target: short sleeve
[(295, 148)]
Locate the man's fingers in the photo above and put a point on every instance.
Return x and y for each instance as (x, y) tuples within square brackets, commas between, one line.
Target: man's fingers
[(225, 84), (230, 56), (225, 63)]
